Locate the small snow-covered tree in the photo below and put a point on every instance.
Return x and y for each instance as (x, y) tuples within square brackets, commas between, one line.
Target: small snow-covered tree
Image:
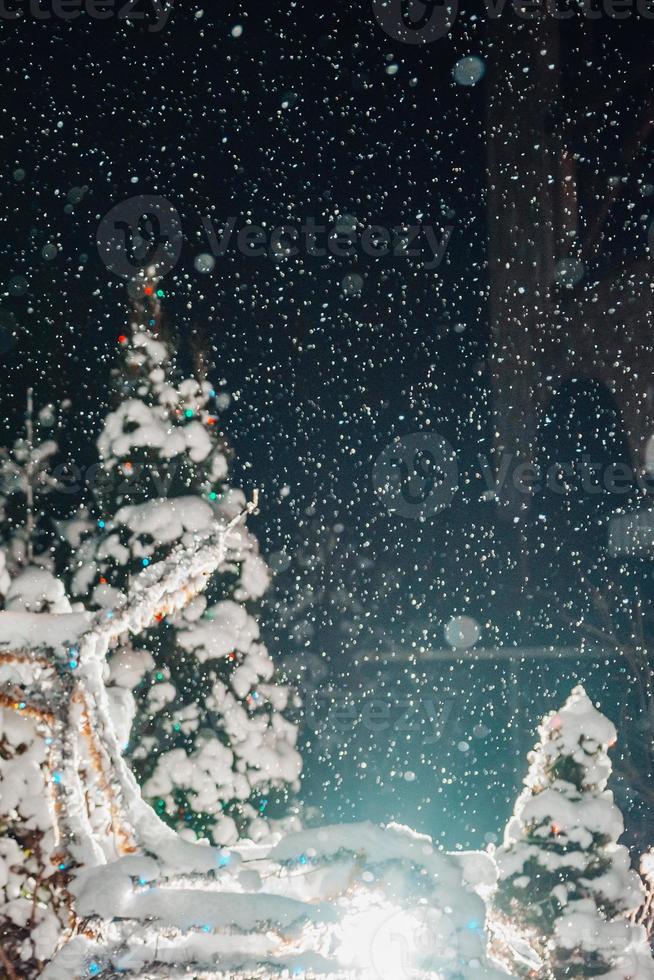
[(28, 528), (210, 744), (565, 887), (34, 913), (27, 480)]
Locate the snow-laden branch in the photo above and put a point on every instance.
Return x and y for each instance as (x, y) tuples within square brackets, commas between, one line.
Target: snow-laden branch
[(344, 901), (161, 590), (164, 588), (66, 696)]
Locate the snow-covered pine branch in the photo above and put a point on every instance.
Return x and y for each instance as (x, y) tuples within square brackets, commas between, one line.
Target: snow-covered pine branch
[(166, 587), (68, 798)]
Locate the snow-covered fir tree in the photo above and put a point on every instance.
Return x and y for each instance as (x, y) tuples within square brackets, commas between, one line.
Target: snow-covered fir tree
[(28, 528), (34, 914), (565, 887), (33, 911), (210, 743)]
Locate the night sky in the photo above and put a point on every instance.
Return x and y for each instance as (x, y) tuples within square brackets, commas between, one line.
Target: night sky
[(277, 113)]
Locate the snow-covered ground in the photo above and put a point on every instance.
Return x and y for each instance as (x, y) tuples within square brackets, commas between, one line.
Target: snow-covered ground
[(94, 883)]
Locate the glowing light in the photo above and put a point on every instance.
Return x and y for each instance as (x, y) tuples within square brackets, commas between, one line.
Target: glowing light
[(122, 339), (395, 943), (101, 523), (56, 777), (145, 562), (148, 290), (189, 413)]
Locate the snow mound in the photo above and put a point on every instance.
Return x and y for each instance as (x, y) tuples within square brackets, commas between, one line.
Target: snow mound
[(357, 901)]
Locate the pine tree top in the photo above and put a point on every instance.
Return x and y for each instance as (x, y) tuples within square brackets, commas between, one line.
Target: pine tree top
[(565, 805), (573, 746)]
